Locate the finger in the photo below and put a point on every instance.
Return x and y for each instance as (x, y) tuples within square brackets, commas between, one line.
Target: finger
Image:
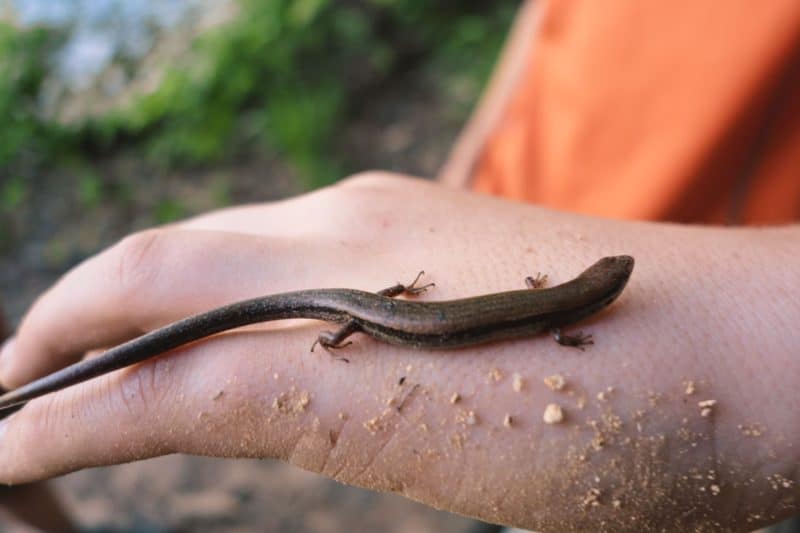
[(145, 281), (215, 398)]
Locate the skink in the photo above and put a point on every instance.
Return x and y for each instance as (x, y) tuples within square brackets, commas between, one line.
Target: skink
[(423, 325)]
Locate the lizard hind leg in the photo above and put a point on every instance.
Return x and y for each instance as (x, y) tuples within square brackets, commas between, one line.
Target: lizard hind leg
[(334, 340)]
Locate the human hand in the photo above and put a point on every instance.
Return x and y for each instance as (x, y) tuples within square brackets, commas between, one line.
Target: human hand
[(464, 431)]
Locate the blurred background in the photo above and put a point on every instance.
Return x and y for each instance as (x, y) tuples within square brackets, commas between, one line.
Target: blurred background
[(118, 115)]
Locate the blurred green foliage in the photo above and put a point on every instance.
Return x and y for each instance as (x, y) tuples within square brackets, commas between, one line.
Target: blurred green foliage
[(283, 75), (169, 210), (12, 193), (23, 65), (90, 189)]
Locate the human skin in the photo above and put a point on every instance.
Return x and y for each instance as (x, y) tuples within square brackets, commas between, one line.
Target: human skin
[(712, 306)]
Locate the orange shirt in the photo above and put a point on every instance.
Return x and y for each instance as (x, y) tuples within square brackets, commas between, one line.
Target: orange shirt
[(685, 111)]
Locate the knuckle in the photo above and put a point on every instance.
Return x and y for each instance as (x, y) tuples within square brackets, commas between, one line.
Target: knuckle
[(142, 389), (361, 206), (136, 260), (375, 179)]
